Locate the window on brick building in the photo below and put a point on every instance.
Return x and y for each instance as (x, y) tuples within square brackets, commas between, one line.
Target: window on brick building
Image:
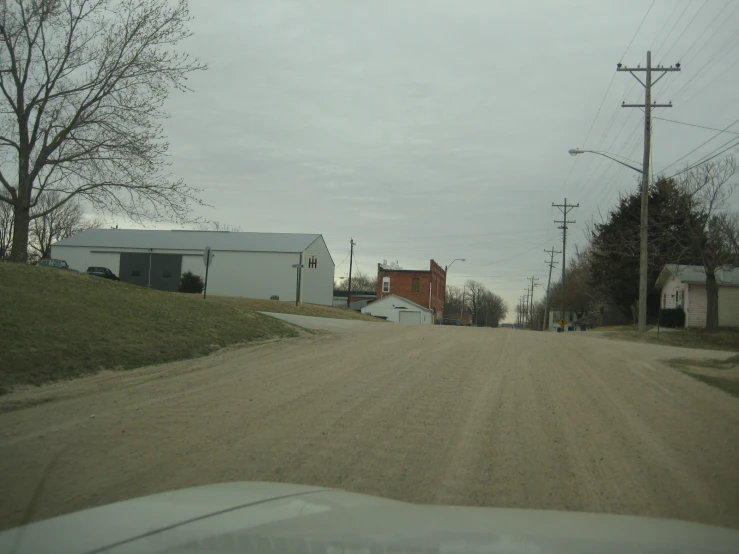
[(416, 285), (386, 284)]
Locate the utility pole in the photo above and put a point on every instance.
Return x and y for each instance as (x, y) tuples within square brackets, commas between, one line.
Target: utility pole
[(461, 311), (533, 280), (351, 258), (565, 209), (551, 263), (647, 107), (520, 312)]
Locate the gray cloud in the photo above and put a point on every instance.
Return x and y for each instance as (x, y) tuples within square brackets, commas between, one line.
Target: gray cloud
[(437, 129)]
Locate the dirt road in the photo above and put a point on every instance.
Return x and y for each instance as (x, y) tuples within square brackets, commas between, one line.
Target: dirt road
[(491, 417)]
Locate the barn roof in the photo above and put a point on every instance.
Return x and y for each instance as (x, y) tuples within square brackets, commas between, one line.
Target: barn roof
[(191, 240)]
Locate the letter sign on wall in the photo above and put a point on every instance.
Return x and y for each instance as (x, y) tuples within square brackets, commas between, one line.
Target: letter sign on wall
[(312, 262)]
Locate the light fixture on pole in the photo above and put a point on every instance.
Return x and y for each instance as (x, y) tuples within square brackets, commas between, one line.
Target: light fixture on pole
[(576, 151), (446, 268), (643, 258)]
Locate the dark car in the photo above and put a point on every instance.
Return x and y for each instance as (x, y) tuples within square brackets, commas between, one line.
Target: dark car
[(103, 272), (57, 264), (448, 321)]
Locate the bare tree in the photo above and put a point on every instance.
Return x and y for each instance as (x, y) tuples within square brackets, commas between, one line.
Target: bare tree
[(712, 231), (83, 84), (729, 224), (453, 300), (581, 296), (218, 226), (6, 230), (492, 310), (360, 282), (67, 220), (539, 316), (475, 292)]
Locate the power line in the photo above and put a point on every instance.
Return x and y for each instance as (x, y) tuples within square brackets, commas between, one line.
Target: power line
[(607, 167), (673, 27), (599, 108), (685, 29), (664, 25), (705, 30), (356, 263), (613, 115), (695, 125), (726, 20), (722, 73), (638, 29), (342, 263), (701, 161), (700, 146), (710, 64)]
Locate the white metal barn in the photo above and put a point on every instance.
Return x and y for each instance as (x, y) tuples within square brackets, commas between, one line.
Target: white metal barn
[(253, 265), (399, 310)]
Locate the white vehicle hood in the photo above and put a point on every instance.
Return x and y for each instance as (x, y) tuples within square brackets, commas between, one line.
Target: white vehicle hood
[(282, 518)]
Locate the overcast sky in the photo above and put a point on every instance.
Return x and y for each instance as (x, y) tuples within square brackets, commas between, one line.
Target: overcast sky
[(438, 129)]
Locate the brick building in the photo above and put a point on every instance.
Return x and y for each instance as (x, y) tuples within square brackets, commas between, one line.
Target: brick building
[(422, 286)]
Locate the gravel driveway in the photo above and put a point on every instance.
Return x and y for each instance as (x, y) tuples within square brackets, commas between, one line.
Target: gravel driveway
[(431, 414)]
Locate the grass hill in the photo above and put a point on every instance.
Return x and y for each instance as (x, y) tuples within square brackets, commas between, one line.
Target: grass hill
[(58, 324)]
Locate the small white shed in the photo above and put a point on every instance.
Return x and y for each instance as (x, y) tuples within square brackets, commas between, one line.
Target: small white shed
[(400, 310), (684, 286)]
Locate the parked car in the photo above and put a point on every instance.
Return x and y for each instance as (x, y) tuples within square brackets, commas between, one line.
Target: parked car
[(103, 272), (57, 264), (448, 321)]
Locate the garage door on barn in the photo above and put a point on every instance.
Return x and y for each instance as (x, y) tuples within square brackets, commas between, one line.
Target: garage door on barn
[(410, 317), (159, 271)]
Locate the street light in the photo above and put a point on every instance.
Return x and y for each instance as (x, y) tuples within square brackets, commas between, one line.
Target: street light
[(446, 268), (576, 151), (454, 260), (642, 231)]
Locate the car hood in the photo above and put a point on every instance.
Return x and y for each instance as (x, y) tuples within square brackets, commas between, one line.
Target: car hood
[(282, 518)]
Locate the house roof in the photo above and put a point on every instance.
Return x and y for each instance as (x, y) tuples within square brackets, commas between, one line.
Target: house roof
[(396, 298), (696, 275), (191, 240)]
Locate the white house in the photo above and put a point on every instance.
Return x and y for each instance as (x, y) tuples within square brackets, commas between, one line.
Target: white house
[(253, 265), (400, 310), (685, 286), (555, 318)]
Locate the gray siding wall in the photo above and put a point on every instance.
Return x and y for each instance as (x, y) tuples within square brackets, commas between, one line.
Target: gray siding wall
[(245, 274), (318, 281)]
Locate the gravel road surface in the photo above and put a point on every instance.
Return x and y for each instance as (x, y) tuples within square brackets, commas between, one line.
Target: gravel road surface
[(489, 417)]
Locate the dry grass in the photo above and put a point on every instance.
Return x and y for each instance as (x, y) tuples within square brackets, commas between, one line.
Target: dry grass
[(724, 339), (59, 324), (277, 306), (710, 363), (726, 384), (720, 373)]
